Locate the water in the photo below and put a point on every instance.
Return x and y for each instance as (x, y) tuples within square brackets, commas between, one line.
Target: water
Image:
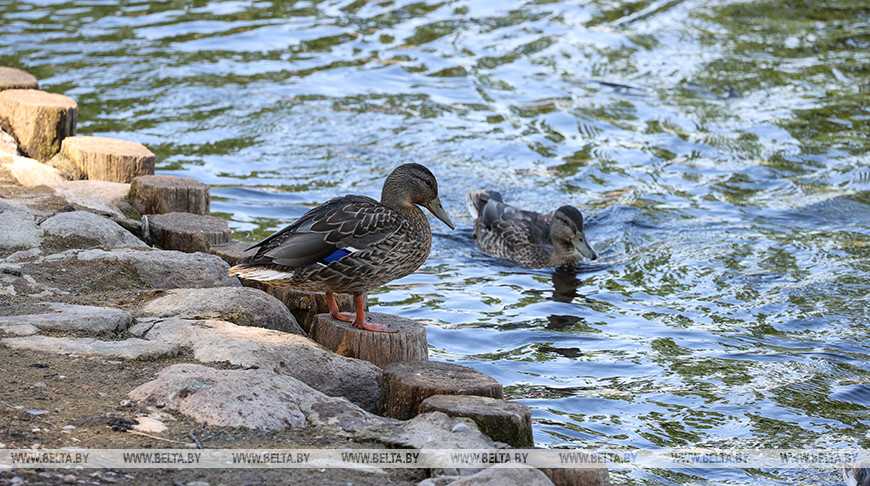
[(718, 149)]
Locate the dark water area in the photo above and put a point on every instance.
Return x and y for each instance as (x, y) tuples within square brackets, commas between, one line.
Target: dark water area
[(719, 151)]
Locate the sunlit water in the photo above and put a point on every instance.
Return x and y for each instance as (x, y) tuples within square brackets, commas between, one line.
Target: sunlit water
[(718, 149)]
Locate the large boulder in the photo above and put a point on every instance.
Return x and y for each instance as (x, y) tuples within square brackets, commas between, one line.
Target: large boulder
[(240, 305), (126, 349), (215, 341), (20, 231), (252, 398), (89, 229), (66, 317)]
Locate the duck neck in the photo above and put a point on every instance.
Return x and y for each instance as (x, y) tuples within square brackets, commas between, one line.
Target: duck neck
[(563, 254)]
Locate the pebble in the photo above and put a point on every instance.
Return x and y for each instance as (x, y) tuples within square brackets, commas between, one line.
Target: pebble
[(125, 403), (460, 427), (39, 384), (16, 480), (69, 478)]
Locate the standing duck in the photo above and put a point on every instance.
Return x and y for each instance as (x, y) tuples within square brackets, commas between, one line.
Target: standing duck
[(352, 244), (528, 238)]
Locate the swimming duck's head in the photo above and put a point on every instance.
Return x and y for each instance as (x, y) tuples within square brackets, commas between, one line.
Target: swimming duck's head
[(568, 234)]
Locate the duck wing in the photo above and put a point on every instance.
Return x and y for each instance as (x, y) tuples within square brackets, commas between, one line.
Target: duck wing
[(327, 233)]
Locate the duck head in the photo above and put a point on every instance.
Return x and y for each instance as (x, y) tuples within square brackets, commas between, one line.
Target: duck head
[(569, 236), (411, 184)]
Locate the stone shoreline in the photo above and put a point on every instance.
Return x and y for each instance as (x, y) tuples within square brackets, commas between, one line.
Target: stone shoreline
[(99, 258)]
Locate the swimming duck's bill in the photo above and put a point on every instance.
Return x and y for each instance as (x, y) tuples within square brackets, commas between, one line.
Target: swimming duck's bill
[(584, 247), (435, 207)]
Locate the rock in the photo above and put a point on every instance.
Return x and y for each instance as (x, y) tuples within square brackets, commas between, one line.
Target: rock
[(187, 232), (135, 268), (24, 255), (286, 354), (406, 385), (19, 228), (587, 476), (497, 475), (127, 349), (433, 430), (255, 398), (8, 145), (105, 159), (110, 192), (240, 305), (66, 317), (29, 172), (11, 78), (159, 194), (305, 306), (39, 121), (381, 348), (502, 421), (233, 251), (89, 229), (19, 329)]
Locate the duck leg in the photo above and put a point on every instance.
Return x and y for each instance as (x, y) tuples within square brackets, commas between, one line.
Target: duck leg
[(334, 312), (360, 321)]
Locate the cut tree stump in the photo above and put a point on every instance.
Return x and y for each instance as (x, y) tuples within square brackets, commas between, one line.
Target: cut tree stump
[(103, 159), (406, 385), (587, 476), (501, 420), (11, 78), (305, 306), (408, 343), (187, 232), (39, 121), (159, 194)]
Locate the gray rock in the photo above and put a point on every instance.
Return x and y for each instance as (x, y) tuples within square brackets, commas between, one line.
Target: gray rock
[(110, 192), (502, 420), (65, 317), (240, 305), (498, 475), (286, 354), (153, 268), (126, 349), (253, 398), (19, 228), (24, 255), (434, 430), (91, 227), (19, 330)]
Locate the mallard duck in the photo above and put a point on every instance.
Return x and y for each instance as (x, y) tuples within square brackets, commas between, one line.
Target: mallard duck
[(528, 238), (352, 244)]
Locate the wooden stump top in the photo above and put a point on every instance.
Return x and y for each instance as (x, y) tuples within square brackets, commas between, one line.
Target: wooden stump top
[(106, 146), (37, 98), (11, 78), (188, 232), (408, 343), (501, 420), (406, 385), (156, 194)]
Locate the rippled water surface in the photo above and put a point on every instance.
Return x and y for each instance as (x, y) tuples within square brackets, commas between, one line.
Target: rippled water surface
[(718, 149)]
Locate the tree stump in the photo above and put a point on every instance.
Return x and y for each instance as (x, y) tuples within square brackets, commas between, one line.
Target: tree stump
[(103, 159), (406, 385), (158, 194), (305, 306), (11, 78), (587, 476), (187, 232), (501, 420), (233, 251), (380, 348), (39, 121)]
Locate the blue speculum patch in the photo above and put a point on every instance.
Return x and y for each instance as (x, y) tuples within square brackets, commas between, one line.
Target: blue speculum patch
[(336, 255)]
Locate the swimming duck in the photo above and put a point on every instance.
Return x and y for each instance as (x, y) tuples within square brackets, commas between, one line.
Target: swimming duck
[(352, 244), (528, 238)]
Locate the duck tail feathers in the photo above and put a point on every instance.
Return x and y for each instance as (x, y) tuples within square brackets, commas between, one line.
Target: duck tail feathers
[(477, 201)]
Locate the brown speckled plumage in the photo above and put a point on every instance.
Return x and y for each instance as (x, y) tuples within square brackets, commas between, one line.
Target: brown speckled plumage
[(352, 244), (528, 238)]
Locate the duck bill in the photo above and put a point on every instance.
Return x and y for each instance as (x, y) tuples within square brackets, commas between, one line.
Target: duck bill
[(584, 248), (435, 207)]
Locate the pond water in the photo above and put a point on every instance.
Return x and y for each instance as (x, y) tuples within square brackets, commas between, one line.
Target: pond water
[(718, 149)]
